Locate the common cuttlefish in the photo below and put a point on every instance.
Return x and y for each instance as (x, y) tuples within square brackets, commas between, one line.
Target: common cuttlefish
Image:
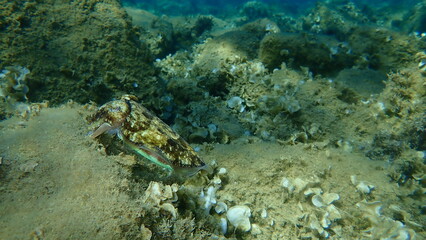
[(147, 135)]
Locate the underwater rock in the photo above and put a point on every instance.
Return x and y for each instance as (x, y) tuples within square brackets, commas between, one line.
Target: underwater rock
[(231, 48), (28, 166), (239, 217), (86, 51), (202, 24), (334, 19), (222, 171), (236, 103), (381, 49), (161, 196), (383, 227), (199, 135), (364, 82), (190, 30), (158, 31), (316, 225), (254, 9), (414, 20), (255, 229), (312, 191), (13, 93), (370, 208), (223, 225), (385, 146), (13, 84), (321, 54), (208, 198), (184, 90), (332, 213), (264, 213), (287, 183), (225, 48), (277, 104), (317, 201), (169, 208), (297, 185), (221, 207), (405, 217), (324, 200), (146, 233), (421, 59), (157, 193), (361, 186)]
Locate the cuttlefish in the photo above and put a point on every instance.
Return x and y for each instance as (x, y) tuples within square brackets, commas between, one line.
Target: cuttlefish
[(147, 135)]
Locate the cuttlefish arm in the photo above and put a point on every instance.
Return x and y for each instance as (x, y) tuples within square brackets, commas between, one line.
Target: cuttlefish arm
[(105, 127)]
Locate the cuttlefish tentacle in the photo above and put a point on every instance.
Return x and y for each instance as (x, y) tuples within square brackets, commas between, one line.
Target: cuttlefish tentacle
[(105, 127)]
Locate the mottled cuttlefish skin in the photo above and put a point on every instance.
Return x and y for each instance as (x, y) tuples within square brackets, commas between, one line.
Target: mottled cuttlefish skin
[(143, 129)]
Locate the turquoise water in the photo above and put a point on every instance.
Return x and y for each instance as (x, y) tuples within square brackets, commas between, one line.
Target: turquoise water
[(227, 8)]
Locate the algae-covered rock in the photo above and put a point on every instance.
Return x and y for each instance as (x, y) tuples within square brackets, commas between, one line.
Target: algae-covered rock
[(157, 32), (414, 20), (320, 54), (382, 49), (364, 81), (234, 44), (84, 50), (333, 19), (255, 9)]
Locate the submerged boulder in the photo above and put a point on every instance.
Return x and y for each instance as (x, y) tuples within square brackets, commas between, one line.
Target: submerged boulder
[(84, 50)]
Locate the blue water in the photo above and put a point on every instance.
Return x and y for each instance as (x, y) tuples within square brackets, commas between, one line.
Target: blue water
[(222, 8)]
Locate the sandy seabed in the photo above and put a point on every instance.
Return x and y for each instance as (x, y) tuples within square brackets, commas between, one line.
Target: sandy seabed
[(57, 183)]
